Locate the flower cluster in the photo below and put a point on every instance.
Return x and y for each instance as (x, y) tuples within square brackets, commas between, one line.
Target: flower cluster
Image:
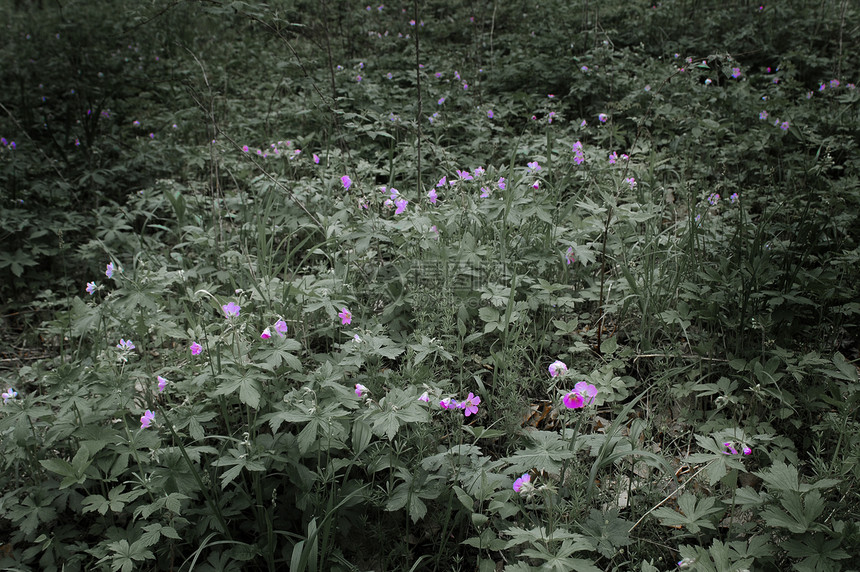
[(468, 405), (147, 419), (732, 451), (579, 154), (280, 329), (583, 394), (125, 345), (523, 484), (713, 199), (162, 383)]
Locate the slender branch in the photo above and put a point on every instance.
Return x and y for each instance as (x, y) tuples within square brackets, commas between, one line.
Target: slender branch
[(418, 85)]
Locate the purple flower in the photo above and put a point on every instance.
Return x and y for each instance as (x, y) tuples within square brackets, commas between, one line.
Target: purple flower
[(231, 310), (125, 344), (464, 175), (401, 206), (573, 400), (147, 419), (569, 256), (534, 166), (9, 394), (432, 196), (346, 181), (196, 348), (631, 181), (435, 230), (734, 198), (162, 383), (109, 269), (267, 333), (442, 182), (360, 390), (501, 183), (518, 484), (736, 73), (449, 403), (479, 171), (470, 406), (602, 117), (731, 449), (490, 113), (245, 148), (587, 391), (316, 159), (763, 115), (281, 328), (784, 126), (556, 368), (536, 185), (91, 287), (485, 193), (713, 199), (583, 69), (424, 397), (345, 316), (747, 451)]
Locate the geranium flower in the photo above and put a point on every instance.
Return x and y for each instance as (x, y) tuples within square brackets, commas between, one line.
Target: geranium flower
[(267, 333), (9, 394), (346, 181), (602, 117), (125, 344), (518, 484), (587, 391), (345, 316), (316, 159), (501, 183), (734, 198), (442, 182), (280, 328), (534, 166), (432, 196), (464, 175), (731, 449), (485, 193), (196, 348), (569, 256), (91, 287), (147, 419), (109, 269), (424, 397), (401, 206), (449, 403), (360, 390), (557, 367), (747, 451), (162, 383), (231, 310), (470, 406), (573, 400), (490, 113)]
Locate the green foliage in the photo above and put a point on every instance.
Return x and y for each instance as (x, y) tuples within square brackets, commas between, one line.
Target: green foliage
[(381, 400)]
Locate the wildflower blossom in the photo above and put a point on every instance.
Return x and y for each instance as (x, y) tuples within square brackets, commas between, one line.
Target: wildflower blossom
[(432, 196), (579, 154), (569, 256), (91, 287), (573, 400), (162, 383), (125, 344), (267, 333), (536, 185), (231, 310), (584, 123), (747, 450), (534, 166), (109, 269), (602, 117), (713, 199), (196, 348), (784, 126), (731, 449), (631, 181), (280, 328), (9, 394), (490, 113), (734, 198), (763, 115), (245, 148), (449, 403), (821, 87), (360, 390), (518, 484), (440, 101), (485, 193), (442, 182), (147, 419), (470, 406), (736, 73), (708, 81), (501, 183), (435, 230), (401, 206), (424, 397), (557, 367), (479, 171), (346, 182), (583, 69), (464, 175), (586, 390), (316, 159), (345, 316), (613, 157)]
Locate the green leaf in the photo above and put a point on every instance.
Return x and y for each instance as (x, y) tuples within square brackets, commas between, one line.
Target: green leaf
[(799, 516), (694, 514), (545, 454)]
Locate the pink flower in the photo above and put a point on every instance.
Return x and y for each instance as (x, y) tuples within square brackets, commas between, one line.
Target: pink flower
[(490, 113), (471, 404), (231, 310), (731, 449), (602, 117), (442, 182), (360, 390), (424, 397), (518, 484), (573, 400), (536, 185), (91, 287), (346, 181), (534, 166), (485, 193), (401, 206), (501, 183), (569, 256), (345, 316), (432, 196), (557, 367), (267, 333), (280, 328), (747, 451), (196, 349), (147, 419), (162, 383), (587, 391), (449, 403), (109, 269)]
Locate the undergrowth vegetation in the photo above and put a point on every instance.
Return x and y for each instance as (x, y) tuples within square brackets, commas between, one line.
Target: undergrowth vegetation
[(439, 285)]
